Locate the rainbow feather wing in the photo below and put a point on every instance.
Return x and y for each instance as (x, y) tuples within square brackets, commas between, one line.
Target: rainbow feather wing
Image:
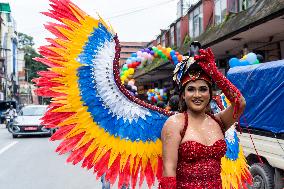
[(234, 169), (100, 123)]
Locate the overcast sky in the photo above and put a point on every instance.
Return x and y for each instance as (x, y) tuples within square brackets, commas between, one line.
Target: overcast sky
[(133, 20)]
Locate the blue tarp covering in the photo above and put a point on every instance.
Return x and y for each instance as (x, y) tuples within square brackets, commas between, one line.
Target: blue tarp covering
[(262, 85)]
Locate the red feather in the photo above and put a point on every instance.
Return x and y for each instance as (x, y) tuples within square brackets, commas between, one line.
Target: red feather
[(68, 144), (42, 81), (46, 92), (54, 43), (101, 166), (77, 155), (62, 132), (149, 175), (51, 16), (54, 118), (48, 74), (113, 170), (142, 175), (47, 62), (160, 168), (88, 161), (134, 175), (45, 51)]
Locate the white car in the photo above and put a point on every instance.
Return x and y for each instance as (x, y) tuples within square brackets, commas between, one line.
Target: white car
[(28, 122)]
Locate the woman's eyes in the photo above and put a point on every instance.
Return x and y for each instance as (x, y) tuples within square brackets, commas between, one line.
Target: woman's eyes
[(201, 89)]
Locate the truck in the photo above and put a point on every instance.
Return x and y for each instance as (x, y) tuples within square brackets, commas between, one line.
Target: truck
[(261, 130)]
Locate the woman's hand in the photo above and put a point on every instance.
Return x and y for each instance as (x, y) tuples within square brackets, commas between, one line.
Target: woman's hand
[(207, 63)]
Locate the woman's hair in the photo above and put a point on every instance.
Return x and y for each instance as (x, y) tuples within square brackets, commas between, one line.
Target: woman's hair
[(182, 104), (174, 103)]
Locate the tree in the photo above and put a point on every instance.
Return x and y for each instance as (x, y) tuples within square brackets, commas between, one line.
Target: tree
[(26, 44)]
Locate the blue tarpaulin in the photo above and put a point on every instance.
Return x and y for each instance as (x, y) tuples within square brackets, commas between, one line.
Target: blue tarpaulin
[(262, 85)]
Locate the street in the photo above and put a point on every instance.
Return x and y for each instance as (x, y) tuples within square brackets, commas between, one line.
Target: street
[(31, 163)]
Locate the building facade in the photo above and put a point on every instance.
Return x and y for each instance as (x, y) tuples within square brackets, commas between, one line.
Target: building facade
[(8, 55), (127, 48), (231, 28)]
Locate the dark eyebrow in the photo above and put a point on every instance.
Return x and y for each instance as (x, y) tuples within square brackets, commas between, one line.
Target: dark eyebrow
[(191, 86), (204, 86)]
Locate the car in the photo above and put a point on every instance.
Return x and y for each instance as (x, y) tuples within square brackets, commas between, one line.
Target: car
[(28, 122)]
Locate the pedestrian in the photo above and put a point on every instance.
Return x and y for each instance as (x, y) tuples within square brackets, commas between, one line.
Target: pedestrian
[(106, 184), (161, 104), (193, 141)]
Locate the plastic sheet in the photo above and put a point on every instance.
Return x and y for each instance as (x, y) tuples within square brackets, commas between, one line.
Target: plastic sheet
[(262, 86)]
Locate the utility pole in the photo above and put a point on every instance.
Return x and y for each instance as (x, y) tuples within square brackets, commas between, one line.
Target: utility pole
[(29, 89)]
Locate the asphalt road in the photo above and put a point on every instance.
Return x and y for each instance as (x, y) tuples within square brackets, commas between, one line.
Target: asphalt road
[(31, 163)]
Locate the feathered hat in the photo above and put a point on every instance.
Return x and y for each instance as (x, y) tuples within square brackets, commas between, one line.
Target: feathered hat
[(188, 69)]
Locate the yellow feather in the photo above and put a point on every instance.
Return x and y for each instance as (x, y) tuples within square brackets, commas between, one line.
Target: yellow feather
[(70, 120), (84, 140), (113, 156), (131, 163), (140, 149), (144, 162), (100, 153), (138, 159), (91, 148), (65, 108), (233, 170), (154, 163), (123, 160), (104, 23), (62, 42), (71, 24), (79, 14), (59, 62)]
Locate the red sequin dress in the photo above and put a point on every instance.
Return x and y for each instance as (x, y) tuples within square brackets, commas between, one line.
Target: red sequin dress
[(199, 166)]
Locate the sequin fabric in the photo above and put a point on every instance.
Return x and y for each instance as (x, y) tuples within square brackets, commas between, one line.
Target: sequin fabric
[(199, 166)]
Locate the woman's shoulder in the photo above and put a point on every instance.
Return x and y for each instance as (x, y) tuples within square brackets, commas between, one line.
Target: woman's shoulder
[(175, 121)]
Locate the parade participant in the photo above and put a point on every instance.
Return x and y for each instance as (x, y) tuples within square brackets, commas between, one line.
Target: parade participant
[(193, 141), (110, 131), (173, 103)]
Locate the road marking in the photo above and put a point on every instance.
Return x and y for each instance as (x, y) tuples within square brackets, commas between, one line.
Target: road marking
[(7, 147)]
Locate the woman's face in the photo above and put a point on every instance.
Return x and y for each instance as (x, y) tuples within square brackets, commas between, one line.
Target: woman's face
[(197, 95)]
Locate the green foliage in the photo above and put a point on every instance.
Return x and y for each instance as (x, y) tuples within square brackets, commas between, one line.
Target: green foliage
[(25, 41), (26, 44), (186, 40), (174, 47)]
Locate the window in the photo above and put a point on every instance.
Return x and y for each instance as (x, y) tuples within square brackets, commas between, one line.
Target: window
[(196, 22), (33, 111), (172, 31), (178, 34), (245, 4), (220, 10), (163, 43), (158, 40), (233, 6)]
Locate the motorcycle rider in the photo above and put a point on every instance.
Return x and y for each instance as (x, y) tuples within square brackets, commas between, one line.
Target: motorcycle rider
[(10, 114)]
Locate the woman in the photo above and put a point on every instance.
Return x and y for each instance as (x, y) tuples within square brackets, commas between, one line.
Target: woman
[(193, 141)]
